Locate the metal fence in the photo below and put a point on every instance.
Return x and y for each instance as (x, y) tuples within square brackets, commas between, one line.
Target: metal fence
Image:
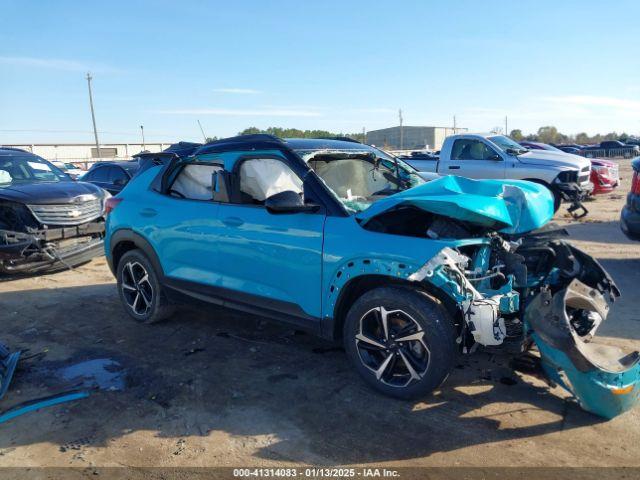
[(609, 153)]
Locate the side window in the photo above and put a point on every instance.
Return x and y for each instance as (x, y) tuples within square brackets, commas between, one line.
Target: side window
[(261, 178), (195, 181), (467, 149), (100, 174), (118, 174)]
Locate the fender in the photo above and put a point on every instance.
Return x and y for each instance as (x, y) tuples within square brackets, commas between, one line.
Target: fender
[(131, 239)]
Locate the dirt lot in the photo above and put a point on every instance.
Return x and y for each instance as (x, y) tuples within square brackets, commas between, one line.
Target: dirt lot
[(218, 388)]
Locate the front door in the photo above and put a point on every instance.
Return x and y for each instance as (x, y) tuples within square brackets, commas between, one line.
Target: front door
[(473, 158), (274, 259)]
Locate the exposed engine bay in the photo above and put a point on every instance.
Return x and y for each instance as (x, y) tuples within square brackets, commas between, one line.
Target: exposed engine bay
[(29, 246), (512, 293)]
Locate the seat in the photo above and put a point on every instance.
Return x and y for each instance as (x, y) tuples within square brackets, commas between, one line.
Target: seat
[(477, 151)]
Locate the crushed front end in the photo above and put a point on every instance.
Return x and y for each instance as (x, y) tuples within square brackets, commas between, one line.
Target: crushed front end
[(513, 282), (516, 292), (38, 238)]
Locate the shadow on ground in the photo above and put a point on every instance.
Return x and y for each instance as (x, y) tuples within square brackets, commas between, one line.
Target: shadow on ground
[(212, 371)]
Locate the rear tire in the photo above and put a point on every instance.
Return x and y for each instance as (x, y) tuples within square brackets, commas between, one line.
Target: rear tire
[(401, 341), (140, 290)]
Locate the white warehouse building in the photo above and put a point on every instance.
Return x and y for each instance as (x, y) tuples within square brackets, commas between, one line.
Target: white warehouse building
[(84, 154)]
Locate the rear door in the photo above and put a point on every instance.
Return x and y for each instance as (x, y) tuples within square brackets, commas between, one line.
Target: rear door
[(183, 225), (473, 158)]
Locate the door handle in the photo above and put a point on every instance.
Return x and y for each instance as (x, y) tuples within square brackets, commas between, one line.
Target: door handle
[(148, 212), (454, 167), (233, 221)]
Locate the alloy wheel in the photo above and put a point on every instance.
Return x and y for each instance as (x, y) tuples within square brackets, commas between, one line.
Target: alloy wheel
[(391, 344), (136, 288)]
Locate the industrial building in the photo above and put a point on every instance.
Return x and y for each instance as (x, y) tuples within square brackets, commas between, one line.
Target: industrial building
[(413, 138), (84, 154)]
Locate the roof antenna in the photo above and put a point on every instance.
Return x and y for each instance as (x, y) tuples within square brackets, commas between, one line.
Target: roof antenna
[(202, 130)]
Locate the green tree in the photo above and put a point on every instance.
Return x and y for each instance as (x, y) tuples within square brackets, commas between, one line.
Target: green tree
[(582, 138), (516, 135), (548, 134)]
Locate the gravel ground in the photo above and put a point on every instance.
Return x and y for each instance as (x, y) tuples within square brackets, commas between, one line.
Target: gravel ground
[(217, 388)]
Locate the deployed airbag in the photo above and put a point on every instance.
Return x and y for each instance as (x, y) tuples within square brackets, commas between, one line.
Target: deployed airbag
[(195, 181), (261, 178)]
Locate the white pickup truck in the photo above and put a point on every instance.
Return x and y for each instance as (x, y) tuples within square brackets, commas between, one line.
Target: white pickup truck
[(497, 156)]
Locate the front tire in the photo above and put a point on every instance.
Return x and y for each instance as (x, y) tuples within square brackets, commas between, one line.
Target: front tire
[(140, 290), (401, 341)]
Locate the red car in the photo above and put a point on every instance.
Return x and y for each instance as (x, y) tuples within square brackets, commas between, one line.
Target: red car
[(604, 173), (604, 176)]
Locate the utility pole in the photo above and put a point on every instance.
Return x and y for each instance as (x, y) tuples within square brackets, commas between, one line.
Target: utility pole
[(144, 147), (506, 126), (454, 125), (401, 130), (93, 116), (364, 135)]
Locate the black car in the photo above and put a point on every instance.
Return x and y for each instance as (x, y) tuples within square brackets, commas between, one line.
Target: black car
[(630, 216), (112, 176), (47, 220)]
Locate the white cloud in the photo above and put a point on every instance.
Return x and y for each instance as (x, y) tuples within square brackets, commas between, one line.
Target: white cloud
[(237, 91), (234, 112), (55, 64)]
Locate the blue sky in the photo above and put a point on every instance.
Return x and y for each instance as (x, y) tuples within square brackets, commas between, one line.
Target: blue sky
[(338, 66)]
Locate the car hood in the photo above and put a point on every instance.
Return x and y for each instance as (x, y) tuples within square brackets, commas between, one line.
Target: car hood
[(510, 206), (49, 192), (551, 158)]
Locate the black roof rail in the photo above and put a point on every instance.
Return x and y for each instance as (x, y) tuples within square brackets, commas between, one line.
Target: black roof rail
[(253, 141), (252, 137), (343, 139)]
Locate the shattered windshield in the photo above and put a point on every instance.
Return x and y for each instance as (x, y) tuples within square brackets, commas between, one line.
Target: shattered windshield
[(16, 169), (359, 178)]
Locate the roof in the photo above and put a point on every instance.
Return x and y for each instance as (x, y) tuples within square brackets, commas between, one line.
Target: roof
[(325, 144), (12, 151), (182, 149), (128, 165)]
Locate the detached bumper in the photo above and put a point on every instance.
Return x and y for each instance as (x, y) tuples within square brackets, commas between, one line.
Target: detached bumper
[(51, 249), (603, 379), (575, 194)]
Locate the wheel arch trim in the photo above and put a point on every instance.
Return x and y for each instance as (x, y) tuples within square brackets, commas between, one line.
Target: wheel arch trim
[(128, 236)]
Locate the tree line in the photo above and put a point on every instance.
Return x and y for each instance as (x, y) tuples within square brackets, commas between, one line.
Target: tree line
[(297, 133), (550, 134), (547, 134)]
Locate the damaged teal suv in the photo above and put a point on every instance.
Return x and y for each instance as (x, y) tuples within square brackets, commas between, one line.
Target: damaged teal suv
[(345, 241)]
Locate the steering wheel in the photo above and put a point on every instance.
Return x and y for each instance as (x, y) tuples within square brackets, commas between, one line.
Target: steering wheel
[(175, 193)]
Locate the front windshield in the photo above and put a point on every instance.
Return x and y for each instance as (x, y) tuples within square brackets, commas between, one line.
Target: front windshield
[(505, 143), (359, 178), (15, 169)]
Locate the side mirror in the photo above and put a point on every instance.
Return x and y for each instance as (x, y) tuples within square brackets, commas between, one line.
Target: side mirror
[(288, 202)]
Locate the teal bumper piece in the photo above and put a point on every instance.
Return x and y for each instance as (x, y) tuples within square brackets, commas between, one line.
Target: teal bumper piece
[(510, 206), (603, 379), (604, 393)]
